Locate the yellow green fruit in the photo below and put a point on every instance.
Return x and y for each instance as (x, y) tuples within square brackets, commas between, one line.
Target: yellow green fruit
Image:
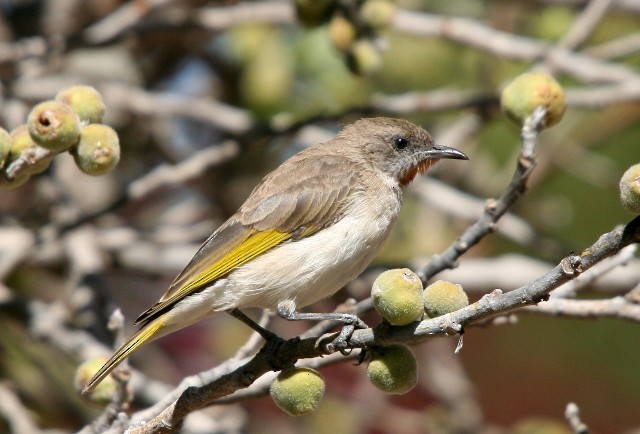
[(54, 126), (530, 90), (297, 391), (342, 33), (393, 369), (442, 297), (17, 182), (630, 189), (378, 14), (98, 151), (397, 296), (364, 58), (86, 101), (22, 145), (5, 146), (539, 425), (105, 390)]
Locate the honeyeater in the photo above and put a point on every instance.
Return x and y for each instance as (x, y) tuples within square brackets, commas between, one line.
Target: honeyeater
[(308, 228)]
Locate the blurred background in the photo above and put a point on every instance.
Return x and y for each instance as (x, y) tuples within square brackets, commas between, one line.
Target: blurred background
[(208, 96)]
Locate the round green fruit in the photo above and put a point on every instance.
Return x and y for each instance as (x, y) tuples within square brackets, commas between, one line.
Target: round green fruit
[(393, 369), (23, 146), (442, 297), (5, 146), (297, 391), (107, 388), (397, 296), (630, 189), (85, 101), (364, 58), (377, 14), (98, 151), (530, 90), (342, 33), (54, 126)]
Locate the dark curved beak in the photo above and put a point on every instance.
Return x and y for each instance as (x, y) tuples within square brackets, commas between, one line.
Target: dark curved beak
[(441, 151)]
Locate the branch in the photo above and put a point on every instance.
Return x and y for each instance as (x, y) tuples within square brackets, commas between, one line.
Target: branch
[(491, 305), (572, 414), (494, 209), (474, 34)]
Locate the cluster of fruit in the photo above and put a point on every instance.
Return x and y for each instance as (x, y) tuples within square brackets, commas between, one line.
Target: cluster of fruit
[(398, 296), (353, 28), (71, 122)]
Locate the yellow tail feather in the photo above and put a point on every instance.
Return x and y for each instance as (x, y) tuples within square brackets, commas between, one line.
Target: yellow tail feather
[(140, 338)]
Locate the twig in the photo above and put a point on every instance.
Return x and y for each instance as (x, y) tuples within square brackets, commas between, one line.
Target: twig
[(220, 18), (617, 48), (15, 413), (494, 209), (622, 258), (223, 116), (506, 45), (190, 168), (616, 307), (123, 18), (23, 164), (585, 24), (496, 303), (572, 414)]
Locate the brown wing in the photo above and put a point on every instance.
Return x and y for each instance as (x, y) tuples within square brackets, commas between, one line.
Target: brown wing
[(299, 198)]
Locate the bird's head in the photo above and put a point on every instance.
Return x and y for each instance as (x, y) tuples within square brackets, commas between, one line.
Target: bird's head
[(396, 147)]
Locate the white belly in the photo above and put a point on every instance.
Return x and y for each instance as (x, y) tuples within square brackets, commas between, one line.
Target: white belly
[(313, 268)]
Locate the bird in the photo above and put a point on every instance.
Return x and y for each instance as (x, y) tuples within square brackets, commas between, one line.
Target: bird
[(309, 227)]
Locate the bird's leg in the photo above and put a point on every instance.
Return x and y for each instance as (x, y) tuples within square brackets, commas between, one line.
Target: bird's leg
[(272, 344), (266, 334), (350, 322)]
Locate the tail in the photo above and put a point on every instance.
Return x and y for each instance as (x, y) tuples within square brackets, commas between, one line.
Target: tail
[(144, 335)]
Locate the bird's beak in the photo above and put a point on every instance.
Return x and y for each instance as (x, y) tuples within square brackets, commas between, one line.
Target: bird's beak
[(441, 151)]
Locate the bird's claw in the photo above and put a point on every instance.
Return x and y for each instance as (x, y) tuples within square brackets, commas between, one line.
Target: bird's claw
[(341, 341)]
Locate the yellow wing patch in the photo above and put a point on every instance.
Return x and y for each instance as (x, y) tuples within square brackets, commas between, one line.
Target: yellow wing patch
[(255, 245)]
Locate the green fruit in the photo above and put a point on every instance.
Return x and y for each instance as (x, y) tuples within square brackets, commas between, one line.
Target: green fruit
[(442, 297), (397, 296), (98, 151), (23, 146), (539, 425), (5, 146), (364, 58), (630, 189), (312, 13), (377, 14), (393, 369), (86, 101), (17, 182), (105, 390), (297, 391), (54, 126), (342, 33), (530, 90)]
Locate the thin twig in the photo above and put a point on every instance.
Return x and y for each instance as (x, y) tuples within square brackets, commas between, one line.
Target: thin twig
[(494, 209)]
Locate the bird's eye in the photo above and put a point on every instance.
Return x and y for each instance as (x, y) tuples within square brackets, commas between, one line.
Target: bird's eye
[(401, 143)]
